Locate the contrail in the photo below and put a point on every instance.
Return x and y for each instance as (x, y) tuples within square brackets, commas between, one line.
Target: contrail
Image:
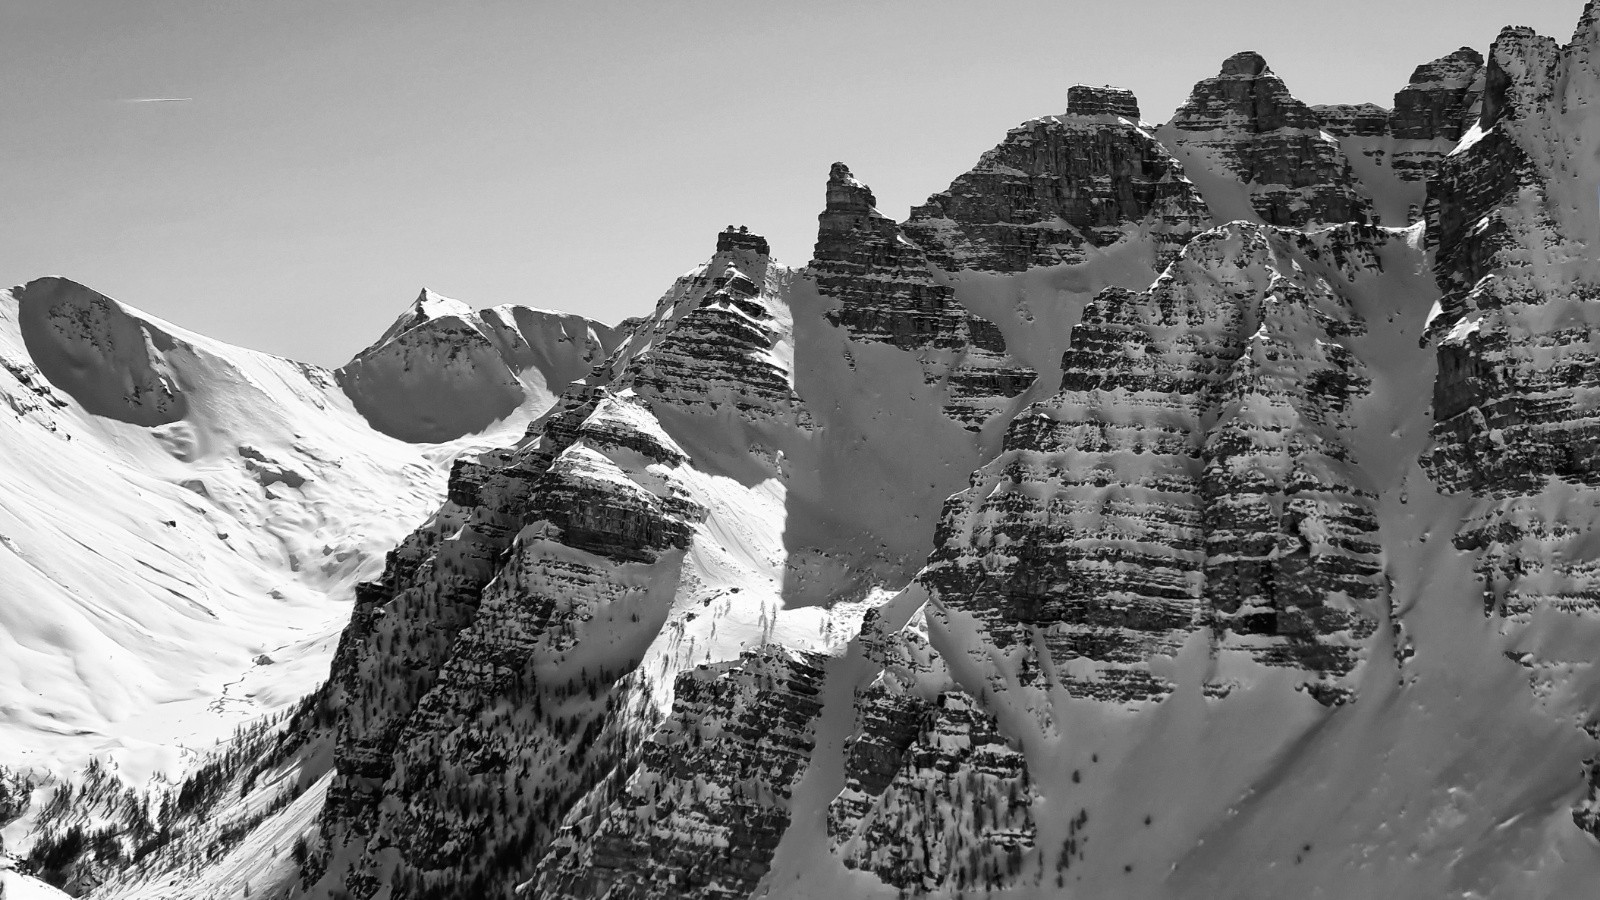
[(158, 100)]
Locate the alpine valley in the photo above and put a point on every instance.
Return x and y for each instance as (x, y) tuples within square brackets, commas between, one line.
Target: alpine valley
[(1189, 510)]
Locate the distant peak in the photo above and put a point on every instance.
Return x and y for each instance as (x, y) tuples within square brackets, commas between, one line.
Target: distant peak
[(432, 305), (742, 239), (1248, 64), (1088, 100)]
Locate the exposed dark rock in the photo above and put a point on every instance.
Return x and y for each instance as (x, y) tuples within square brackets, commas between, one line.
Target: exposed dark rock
[(1247, 122), (1060, 187), (956, 808), (1517, 348), (710, 801), (721, 353), (888, 292), (1114, 531), (1086, 100), (1441, 99)]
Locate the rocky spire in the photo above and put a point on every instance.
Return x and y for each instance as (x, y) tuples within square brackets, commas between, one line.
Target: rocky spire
[(1246, 118), (889, 294), (714, 348), (1059, 187), (1085, 100), (849, 211)]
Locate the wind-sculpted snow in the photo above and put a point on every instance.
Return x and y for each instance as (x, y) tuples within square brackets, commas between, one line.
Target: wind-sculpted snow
[(1190, 473), (182, 527), (1060, 188)]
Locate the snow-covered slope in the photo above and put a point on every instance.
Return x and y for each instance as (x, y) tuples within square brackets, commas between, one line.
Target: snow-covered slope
[(182, 524), (1197, 510)]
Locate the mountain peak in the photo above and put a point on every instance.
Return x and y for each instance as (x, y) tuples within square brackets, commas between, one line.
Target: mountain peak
[(1245, 118), (1456, 68), (1248, 64), (846, 194), (742, 239), (1088, 100), (1245, 93)]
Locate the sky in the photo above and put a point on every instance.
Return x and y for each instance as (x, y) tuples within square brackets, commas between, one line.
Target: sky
[(331, 158)]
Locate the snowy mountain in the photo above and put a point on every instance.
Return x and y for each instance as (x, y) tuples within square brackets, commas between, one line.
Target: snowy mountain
[(183, 525), (1201, 509)]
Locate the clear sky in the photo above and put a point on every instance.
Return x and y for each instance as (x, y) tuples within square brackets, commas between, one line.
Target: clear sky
[(338, 155)]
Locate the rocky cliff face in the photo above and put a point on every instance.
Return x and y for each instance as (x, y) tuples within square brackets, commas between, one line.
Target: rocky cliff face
[(1244, 122), (889, 291), (1394, 152), (1060, 188), (935, 793), (709, 802), (1121, 524), (1190, 473), (1513, 223), (540, 547)]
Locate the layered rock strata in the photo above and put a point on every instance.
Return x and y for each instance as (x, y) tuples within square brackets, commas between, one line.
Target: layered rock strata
[(459, 681), (934, 794), (889, 292), (1394, 152), (1515, 397), (1190, 473), (1245, 122), (729, 350), (704, 813), (1059, 188)]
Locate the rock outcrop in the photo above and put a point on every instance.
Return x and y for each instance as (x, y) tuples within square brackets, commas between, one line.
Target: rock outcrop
[(1512, 221), (1059, 188), (1394, 152), (729, 350), (1244, 122), (889, 292), (1514, 417), (672, 645), (1190, 473), (709, 802)]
